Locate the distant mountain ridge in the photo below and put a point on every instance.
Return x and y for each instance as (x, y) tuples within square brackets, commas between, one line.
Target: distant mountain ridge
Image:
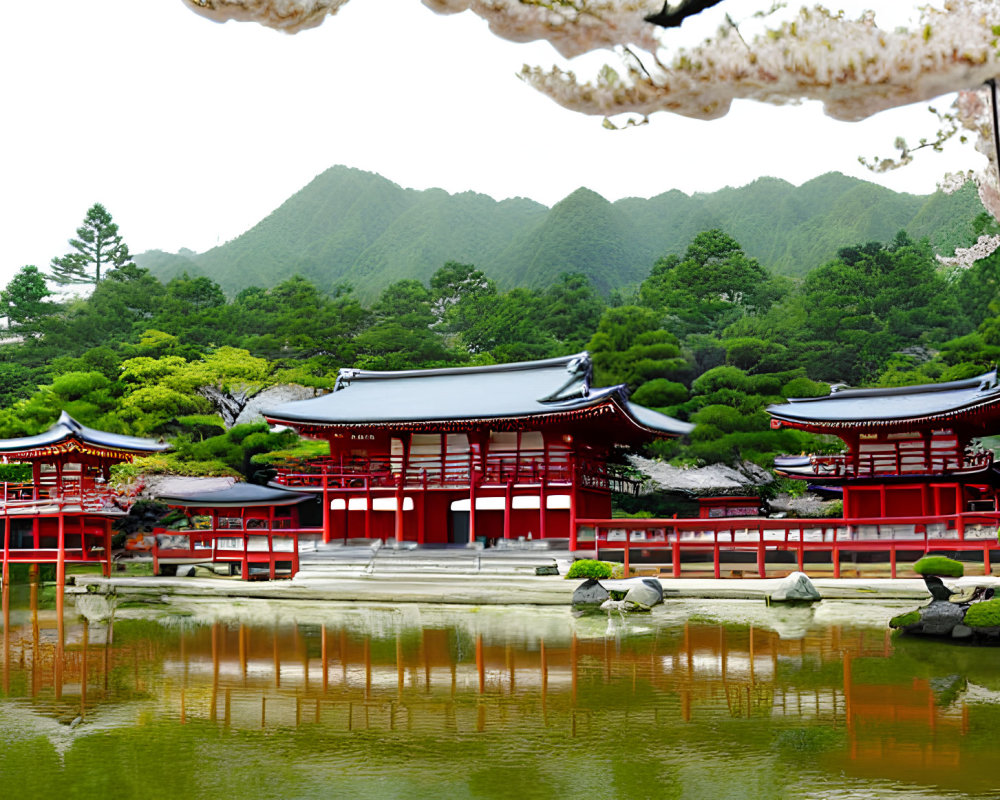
[(355, 227)]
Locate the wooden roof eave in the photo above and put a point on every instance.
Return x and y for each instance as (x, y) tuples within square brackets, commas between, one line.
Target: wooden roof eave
[(609, 406), (962, 416)]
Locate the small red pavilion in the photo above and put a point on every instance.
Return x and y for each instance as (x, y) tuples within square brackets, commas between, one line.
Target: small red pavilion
[(65, 512), (910, 450), (470, 453)]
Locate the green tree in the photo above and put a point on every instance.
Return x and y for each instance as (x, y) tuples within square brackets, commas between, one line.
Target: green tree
[(98, 246), (25, 300)]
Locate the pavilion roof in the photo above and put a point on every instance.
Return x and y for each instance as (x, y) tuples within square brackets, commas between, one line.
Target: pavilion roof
[(974, 401), (67, 435), (549, 388), (238, 495)]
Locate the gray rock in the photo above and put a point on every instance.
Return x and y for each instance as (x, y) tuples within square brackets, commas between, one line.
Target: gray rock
[(590, 593), (186, 571), (940, 618), (795, 588), (961, 632), (644, 596)]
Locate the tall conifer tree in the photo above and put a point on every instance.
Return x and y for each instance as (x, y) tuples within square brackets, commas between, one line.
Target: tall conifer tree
[(98, 247)]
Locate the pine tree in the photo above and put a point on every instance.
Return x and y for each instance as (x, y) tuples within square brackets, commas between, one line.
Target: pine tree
[(99, 246)]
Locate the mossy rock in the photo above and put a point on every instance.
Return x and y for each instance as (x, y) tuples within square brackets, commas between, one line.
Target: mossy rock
[(983, 615), (904, 620), (939, 565)]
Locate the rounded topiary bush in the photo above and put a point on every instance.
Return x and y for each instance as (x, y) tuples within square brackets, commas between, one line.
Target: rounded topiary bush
[(983, 615), (589, 568), (939, 565)]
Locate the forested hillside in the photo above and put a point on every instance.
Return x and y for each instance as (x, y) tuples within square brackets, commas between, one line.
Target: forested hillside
[(709, 334), (354, 227)]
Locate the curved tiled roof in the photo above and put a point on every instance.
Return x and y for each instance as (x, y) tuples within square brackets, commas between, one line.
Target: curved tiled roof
[(925, 403), (238, 495), (68, 430), (526, 389)]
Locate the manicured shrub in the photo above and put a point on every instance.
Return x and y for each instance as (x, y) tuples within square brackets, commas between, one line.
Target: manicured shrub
[(589, 568), (902, 620), (939, 565), (983, 615)]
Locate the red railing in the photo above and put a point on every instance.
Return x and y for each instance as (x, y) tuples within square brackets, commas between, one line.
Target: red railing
[(260, 551), (968, 531), (86, 493), (950, 461), (452, 470)]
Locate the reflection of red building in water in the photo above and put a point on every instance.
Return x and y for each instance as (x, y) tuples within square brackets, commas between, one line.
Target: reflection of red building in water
[(64, 513), (505, 451), (910, 451)]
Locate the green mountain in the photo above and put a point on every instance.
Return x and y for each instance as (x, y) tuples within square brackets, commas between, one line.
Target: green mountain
[(360, 228)]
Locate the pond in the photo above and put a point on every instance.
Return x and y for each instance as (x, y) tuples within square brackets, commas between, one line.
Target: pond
[(700, 699)]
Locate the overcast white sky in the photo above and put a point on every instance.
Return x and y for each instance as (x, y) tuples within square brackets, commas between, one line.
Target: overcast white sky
[(190, 131)]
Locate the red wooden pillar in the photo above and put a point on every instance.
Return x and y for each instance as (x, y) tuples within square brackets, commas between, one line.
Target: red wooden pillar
[(542, 497), (572, 502), (959, 508), (400, 483), (107, 548), (507, 502), (6, 558), (327, 524), (422, 509), (472, 505), (368, 507), (60, 565)]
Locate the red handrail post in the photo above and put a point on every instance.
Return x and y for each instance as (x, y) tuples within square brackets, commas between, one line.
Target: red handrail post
[(986, 559), (627, 542), (761, 568), (716, 556), (892, 560), (836, 560), (676, 554)]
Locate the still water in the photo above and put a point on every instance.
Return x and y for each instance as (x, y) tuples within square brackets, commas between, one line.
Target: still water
[(706, 699)]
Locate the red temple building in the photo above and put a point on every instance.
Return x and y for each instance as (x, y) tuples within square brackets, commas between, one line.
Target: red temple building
[(910, 451), (468, 453), (65, 512)]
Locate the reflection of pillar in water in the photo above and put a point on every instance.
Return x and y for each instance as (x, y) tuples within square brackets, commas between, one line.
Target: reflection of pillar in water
[(83, 669), (509, 654), (399, 666), (848, 710), (244, 643), (545, 673), (277, 657), (368, 670), (33, 575), (325, 663), (60, 643), (572, 665), (215, 671), (5, 589), (425, 657), (226, 717), (752, 679), (481, 718), (688, 650), (342, 654), (480, 666)]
